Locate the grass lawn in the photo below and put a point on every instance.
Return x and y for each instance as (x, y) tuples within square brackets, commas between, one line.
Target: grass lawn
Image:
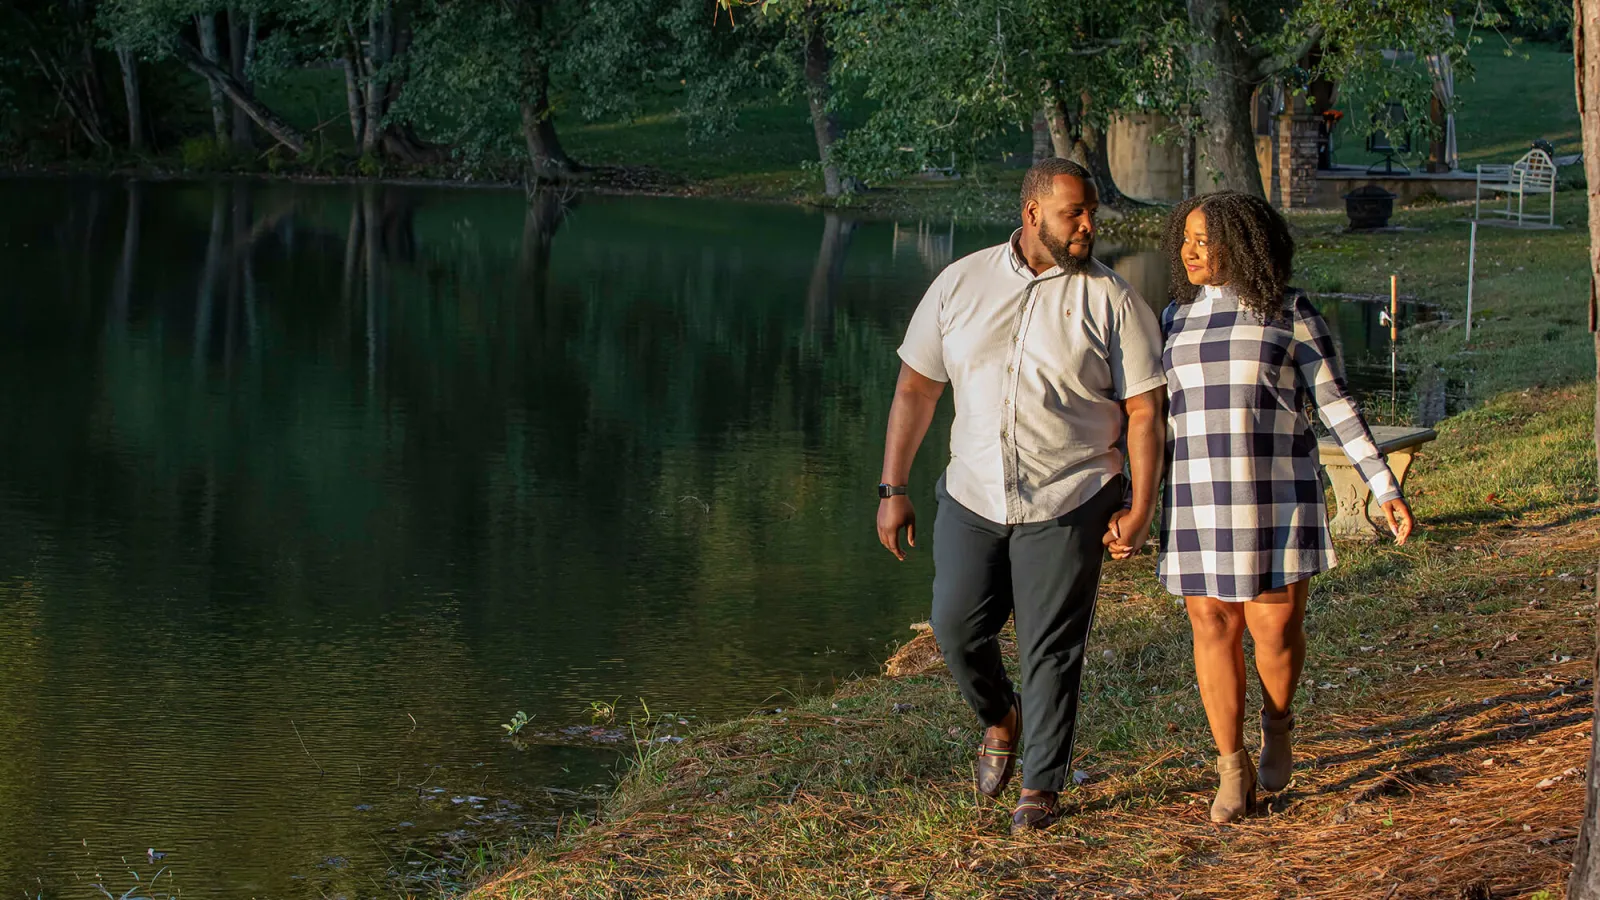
[(1530, 301), (1517, 93)]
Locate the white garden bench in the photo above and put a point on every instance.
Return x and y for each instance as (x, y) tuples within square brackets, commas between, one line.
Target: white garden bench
[(1532, 175)]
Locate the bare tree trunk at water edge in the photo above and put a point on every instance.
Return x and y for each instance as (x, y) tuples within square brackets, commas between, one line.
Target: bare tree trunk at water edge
[(130, 92), (241, 36), (206, 28), (545, 153), (818, 95), (1585, 881)]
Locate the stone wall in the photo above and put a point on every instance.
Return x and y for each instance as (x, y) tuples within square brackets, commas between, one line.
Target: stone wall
[(1295, 180)]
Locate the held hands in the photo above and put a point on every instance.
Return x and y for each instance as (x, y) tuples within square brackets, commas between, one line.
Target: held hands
[(1127, 533), (895, 513), (1400, 519)]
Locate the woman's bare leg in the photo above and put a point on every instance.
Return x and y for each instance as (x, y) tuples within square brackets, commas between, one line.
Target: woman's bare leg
[(1219, 667), (1277, 624)]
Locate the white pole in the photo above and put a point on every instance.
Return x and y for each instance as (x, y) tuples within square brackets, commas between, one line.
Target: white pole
[(1472, 258)]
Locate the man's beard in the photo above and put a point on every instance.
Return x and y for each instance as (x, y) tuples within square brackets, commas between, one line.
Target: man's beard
[(1061, 251)]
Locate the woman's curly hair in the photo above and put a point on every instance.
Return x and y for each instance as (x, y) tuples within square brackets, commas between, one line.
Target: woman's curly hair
[(1250, 245)]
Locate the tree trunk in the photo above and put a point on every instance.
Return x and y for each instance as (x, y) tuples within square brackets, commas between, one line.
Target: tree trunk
[(1041, 137), (380, 36), (1100, 163), (239, 40), (89, 71), (130, 92), (221, 80), (545, 153), (1060, 124), (1585, 881), (1228, 144), (352, 97), (206, 27), (823, 121)]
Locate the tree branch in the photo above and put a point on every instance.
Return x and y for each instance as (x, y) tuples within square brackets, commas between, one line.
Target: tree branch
[(269, 121), (1268, 65)]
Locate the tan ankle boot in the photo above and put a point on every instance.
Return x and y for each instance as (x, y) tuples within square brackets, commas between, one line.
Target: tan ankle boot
[(1277, 755), (1236, 795)]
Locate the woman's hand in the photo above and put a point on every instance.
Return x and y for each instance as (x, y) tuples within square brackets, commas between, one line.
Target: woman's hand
[(1127, 532), (1400, 519)]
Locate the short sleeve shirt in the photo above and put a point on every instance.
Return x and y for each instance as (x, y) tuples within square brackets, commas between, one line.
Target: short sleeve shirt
[(1039, 366)]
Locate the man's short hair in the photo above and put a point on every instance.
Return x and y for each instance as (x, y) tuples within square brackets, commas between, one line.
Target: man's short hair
[(1039, 180)]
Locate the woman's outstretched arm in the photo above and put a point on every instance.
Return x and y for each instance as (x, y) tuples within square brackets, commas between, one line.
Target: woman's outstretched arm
[(1317, 360)]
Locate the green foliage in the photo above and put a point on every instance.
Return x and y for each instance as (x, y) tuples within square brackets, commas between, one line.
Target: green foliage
[(203, 154), (517, 723), (951, 75)]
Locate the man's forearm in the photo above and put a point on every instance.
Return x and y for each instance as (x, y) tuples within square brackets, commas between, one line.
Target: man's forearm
[(915, 399), (1146, 453)]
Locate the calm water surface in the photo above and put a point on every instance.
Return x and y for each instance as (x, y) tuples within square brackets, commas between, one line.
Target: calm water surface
[(304, 491)]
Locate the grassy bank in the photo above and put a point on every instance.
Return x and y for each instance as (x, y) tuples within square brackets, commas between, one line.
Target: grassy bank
[(1530, 303), (1443, 712)]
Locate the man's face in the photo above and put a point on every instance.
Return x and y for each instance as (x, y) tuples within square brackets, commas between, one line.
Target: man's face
[(1065, 221)]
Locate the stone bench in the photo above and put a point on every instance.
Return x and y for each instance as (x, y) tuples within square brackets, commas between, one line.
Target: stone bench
[(1356, 510)]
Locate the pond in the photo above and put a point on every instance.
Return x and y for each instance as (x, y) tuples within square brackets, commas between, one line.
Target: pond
[(305, 491)]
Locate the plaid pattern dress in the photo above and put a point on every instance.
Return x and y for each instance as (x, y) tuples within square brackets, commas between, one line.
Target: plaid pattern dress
[(1244, 510)]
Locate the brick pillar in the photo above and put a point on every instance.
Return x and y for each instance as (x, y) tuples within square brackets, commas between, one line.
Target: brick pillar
[(1296, 163)]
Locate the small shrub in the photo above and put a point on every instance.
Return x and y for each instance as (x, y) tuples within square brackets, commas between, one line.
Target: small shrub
[(370, 166)]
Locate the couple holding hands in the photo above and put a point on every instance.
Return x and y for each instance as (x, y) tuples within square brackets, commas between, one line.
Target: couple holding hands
[(1072, 401)]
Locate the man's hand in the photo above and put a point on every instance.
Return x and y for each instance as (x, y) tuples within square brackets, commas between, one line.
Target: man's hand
[(1127, 533), (895, 513)]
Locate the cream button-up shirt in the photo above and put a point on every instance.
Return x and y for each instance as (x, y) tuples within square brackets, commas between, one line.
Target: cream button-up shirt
[(1038, 365)]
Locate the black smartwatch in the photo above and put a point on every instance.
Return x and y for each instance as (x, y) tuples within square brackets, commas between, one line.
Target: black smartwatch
[(885, 491)]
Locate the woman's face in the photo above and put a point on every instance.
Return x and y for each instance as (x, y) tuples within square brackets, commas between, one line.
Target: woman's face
[(1201, 264)]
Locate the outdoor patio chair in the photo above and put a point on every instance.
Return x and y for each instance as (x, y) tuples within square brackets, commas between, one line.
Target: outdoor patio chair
[(1533, 174)]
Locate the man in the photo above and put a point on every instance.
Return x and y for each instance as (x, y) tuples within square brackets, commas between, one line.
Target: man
[(1055, 365)]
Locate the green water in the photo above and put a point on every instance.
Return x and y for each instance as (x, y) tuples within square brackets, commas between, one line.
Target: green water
[(305, 490)]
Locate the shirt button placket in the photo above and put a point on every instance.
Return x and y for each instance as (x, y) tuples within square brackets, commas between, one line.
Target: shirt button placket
[(1008, 434)]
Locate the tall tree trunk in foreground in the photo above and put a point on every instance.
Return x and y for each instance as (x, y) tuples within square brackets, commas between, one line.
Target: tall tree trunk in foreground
[(818, 93), (1228, 142), (1586, 52), (1585, 881), (223, 81), (130, 92), (206, 29)]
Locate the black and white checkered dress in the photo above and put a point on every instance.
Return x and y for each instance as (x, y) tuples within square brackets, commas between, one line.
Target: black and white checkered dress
[(1244, 510)]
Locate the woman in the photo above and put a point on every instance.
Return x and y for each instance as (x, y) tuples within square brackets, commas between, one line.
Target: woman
[(1245, 524)]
